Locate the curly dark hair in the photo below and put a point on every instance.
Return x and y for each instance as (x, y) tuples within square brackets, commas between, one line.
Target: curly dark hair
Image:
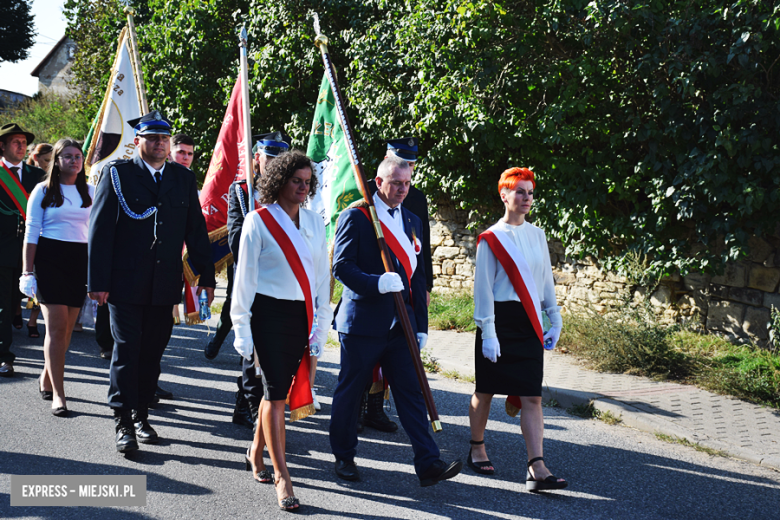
[(281, 170)]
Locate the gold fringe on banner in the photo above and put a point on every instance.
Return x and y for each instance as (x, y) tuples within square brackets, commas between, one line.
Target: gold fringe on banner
[(377, 386), (193, 318), (511, 410), (217, 234), (302, 412)]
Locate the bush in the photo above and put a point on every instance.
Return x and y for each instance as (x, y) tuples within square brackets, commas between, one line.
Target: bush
[(50, 117)]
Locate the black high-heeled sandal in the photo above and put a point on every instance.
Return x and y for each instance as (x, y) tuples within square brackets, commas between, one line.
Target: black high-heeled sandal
[(290, 504), (551, 482), (481, 466), (46, 395), (263, 476)]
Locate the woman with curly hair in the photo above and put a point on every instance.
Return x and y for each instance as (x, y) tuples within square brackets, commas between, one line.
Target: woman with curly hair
[(55, 259), (513, 288), (281, 304)]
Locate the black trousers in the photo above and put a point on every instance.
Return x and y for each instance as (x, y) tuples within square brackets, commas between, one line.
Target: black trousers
[(9, 301), (225, 323), (141, 333)]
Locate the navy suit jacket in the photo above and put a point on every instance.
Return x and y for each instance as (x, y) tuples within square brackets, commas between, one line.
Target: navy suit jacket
[(122, 260), (358, 265)]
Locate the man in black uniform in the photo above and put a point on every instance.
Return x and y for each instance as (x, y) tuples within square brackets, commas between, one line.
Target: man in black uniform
[(371, 412), (17, 180), (143, 211), (250, 390)]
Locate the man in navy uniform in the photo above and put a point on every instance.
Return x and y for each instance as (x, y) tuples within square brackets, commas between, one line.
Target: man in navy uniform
[(369, 329), (144, 210), (371, 412), (250, 391), (17, 180)]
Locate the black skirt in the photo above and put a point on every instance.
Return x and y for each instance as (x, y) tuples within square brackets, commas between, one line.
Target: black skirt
[(520, 367), (279, 331), (61, 271)]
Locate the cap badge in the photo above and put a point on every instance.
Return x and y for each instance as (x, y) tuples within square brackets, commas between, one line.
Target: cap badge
[(411, 142)]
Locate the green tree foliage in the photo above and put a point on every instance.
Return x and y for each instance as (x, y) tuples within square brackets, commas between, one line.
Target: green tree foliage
[(652, 125), (51, 117), (16, 30)]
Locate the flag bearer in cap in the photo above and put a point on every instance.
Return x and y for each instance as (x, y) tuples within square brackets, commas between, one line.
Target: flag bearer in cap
[(144, 210), (371, 412), (17, 180), (250, 391)]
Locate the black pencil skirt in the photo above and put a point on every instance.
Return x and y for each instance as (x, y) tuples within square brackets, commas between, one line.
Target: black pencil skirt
[(520, 367), (61, 271), (279, 331)]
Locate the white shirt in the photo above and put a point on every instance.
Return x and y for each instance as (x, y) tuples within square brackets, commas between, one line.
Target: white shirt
[(152, 170), (398, 218), (263, 269), (19, 171), (68, 223), (491, 283)]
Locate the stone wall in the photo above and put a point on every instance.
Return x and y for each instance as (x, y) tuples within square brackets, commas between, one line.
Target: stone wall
[(735, 304)]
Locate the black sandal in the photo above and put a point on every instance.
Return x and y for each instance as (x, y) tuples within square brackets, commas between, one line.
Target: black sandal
[(263, 476), (551, 482), (290, 504), (18, 322), (32, 332), (481, 466)]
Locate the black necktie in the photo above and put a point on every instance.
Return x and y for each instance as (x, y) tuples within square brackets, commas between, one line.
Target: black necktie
[(392, 212), (15, 169), (158, 179)]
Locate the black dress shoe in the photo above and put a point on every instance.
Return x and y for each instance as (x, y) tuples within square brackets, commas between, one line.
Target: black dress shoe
[(144, 433), (163, 394), (211, 350), (106, 354), (242, 414), (6, 369), (375, 416), (439, 471), (346, 470)]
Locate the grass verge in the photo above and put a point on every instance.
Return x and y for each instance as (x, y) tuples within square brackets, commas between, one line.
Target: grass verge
[(673, 439), (452, 311)]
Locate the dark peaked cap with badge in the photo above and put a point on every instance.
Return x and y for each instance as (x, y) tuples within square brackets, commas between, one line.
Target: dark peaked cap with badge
[(405, 148), (12, 129), (271, 144), (151, 123)]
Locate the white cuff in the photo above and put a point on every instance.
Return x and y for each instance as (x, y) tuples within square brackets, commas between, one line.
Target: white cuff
[(488, 327), (243, 331), (554, 313)]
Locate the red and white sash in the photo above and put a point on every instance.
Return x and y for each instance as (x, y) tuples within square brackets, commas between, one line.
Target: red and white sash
[(396, 240), (301, 262), (519, 273)]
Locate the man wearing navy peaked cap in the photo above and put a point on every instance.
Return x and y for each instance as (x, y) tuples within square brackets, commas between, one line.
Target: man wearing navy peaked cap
[(144, 210)]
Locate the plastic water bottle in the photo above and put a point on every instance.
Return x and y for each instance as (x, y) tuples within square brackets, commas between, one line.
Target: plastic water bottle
[(205, 310)]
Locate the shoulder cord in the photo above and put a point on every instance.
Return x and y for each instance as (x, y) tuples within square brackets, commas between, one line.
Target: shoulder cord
[(123, 203), (241, 202)]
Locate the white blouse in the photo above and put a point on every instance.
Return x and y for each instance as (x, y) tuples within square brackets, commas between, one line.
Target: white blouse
[(491, 283), (263, 269), (68, 223)]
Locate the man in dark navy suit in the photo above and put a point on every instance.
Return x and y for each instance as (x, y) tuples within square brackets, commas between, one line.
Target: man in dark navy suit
[(369, 329), (17, 180), (144, 210), (371, 412)]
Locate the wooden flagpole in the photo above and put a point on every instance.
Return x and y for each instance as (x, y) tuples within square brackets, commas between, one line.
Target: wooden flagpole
[(139, 73)]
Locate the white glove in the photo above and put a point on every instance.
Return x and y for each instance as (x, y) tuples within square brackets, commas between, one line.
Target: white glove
[(315, 349), (245, 347), (27, 285), (554, 334), (390, 282), (422, 340), (491, 349)]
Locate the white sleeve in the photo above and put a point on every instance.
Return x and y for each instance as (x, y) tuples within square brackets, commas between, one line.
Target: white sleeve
[(484, 278), (550, 300), (34, 222), (322, 291), (245, 281)]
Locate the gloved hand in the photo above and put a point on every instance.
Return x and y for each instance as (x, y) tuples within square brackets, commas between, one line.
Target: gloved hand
[(315, 349), (491, 349), (390, 282), (27, 285), (245, 347), (554, 334), (422, 340)]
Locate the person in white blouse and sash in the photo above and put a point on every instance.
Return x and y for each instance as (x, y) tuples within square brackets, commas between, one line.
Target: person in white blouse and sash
[(55, 259), (513, 289), (281, 303)]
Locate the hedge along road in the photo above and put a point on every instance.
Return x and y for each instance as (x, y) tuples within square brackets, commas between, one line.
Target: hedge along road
[(197, 471)]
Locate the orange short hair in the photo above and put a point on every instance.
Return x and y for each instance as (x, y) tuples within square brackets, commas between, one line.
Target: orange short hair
[(511, 176)]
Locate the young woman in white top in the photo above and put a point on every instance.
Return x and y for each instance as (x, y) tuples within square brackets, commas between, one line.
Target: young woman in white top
[(269, 306), (55, 259), (509, 345)]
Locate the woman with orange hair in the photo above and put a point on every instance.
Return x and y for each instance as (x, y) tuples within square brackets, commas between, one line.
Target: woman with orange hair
[(513, 289)]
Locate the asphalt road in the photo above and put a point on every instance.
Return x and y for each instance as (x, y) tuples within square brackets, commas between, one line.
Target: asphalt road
[(197, 471)]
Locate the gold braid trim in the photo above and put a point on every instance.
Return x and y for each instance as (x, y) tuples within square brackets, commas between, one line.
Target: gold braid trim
[(511, 410), (302, 412)]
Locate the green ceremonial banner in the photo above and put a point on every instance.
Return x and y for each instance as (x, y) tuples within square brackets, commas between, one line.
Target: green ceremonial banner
[(328, 149)]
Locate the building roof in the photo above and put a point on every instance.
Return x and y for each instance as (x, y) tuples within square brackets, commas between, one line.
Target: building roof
[(45, 60)]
